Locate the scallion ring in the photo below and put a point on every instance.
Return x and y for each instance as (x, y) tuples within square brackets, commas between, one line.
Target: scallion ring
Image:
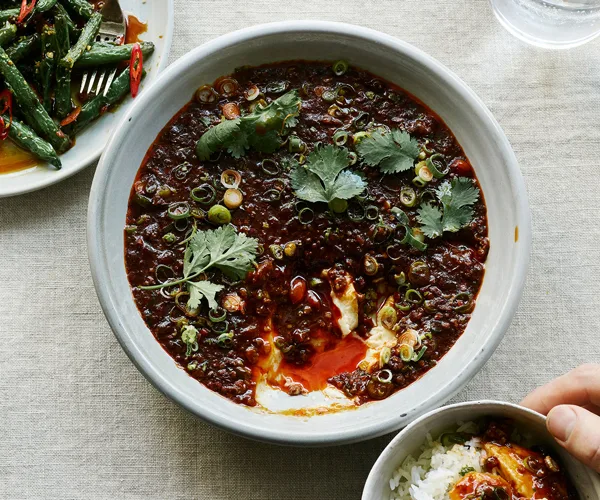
[(227, 85), (270, 167), (217, 315), (417, 357), (353, 157), (163, 273), (425, 174), (388, 317), (417, 181), (340, 67), (361, 121), (384, 376), (231, 179), (340, 137), (181, 171), (406, 353), (306, 215), (204, 194), (182, 225), (252, 93), (462, 302), (403, 307), (224, 340), (271, 195), (179, 210), (206, 94), (437, 166), (220, 327), (329, 95), (260, 249), (359, 136), (428, 196), (276, 87), (356, 212), (394, 252), (408, 197), (372, 212), (296, 145), (413, 296), (233, 198), (276, 251), (384, 356)]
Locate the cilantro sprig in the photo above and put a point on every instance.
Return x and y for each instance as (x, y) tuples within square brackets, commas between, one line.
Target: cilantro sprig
[(393, 152), (260, 130), (324, 179), (457, 199), (224, 249)]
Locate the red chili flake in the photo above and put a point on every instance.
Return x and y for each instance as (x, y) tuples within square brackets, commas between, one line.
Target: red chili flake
[(72, 117), (5, 105), (25, 10), (135, 69)]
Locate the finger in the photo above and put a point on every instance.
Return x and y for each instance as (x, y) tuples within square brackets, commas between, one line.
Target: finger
[(578, 431), (580, 386)]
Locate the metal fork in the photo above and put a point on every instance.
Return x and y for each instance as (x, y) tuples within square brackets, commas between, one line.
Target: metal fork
[(112, 30)]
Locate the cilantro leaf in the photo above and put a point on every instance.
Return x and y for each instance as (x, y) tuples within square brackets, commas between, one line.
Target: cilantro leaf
[(456, 198), (203, 289), (393, 152), (323, 178), (260, 130), (409, 236), (223, 248)]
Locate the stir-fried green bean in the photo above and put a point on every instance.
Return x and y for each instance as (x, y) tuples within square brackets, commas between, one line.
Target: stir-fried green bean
[(81, 7), (8, 15), (108, 53), (74, 31), (27, 139), (62, 93), (48, 65), (36, 116), (23, 47), (85, 40)]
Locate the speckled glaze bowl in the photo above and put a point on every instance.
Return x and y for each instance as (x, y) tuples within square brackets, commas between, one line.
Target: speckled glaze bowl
[(465, 114), (409, 441)]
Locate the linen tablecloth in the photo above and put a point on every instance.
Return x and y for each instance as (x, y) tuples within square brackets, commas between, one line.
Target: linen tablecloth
[(77, 420)]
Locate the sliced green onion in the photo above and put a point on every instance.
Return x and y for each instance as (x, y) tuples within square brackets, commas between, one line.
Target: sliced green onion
[(417, 181), (180, 210), (428, 196), (400, 279), (435, 161), (353, 157), (406, 353), (217, 315), (359, 136), (189, 336), (181, 225), (218, 214), (340, 137), (181, 171), (388, 317), (413, 296), (384, 356), (356, 212), (204, 194), (277, 251), (408, 197), (220, 327), (296, 145), (271, 195), (276, 87), (206, 94), (384, 376), (252, 93), (306, 215), (233, 198), (361, 121), (231, 179), (370, 265), (425, 174), (164, 273), (465, 301), (340, 67), (372, 212), (329, 95), (418, 356), (403, 307), (394, 252), (270, 167), (224, 340), (169, 238)]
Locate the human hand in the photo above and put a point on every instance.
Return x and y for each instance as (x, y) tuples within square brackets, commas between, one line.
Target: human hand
[(572, 403)]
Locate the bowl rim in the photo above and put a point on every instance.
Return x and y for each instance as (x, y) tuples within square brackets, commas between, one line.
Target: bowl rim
[(388, 452), (100, 274), (62, 174)]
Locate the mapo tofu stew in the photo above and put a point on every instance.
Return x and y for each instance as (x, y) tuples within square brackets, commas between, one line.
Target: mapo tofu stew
[(306, 236)]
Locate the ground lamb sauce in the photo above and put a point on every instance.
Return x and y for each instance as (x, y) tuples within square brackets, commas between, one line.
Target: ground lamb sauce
[(314, 352)]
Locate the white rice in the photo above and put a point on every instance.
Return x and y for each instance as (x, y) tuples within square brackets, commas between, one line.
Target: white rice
[(437, 469)]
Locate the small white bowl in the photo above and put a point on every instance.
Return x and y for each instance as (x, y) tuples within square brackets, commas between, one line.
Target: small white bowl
[(476, 130), (91, 142), (410, 440)]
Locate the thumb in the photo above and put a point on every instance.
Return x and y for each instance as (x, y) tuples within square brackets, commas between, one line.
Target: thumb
[(578, 431)]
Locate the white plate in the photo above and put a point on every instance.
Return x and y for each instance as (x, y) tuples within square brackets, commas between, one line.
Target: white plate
[(158, 14), (469, 119)]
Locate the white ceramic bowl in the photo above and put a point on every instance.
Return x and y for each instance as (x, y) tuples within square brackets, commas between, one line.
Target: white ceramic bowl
[(409, 441), (90, 144), (473, 125)]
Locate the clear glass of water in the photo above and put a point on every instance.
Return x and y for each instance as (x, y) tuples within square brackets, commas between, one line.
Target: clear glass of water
[(552, 24)]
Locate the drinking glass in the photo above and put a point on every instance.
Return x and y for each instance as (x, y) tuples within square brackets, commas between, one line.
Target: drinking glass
[(552, 24)]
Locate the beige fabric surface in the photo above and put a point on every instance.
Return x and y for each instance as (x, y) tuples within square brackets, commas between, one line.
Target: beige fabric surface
[(77, 420)]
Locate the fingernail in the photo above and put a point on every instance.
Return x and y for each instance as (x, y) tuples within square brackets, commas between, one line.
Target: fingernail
[(561, 422)]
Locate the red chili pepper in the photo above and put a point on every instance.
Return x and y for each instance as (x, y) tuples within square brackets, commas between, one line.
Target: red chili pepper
[(135, 69), (72, 117), (5, 105), (25, 10)]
